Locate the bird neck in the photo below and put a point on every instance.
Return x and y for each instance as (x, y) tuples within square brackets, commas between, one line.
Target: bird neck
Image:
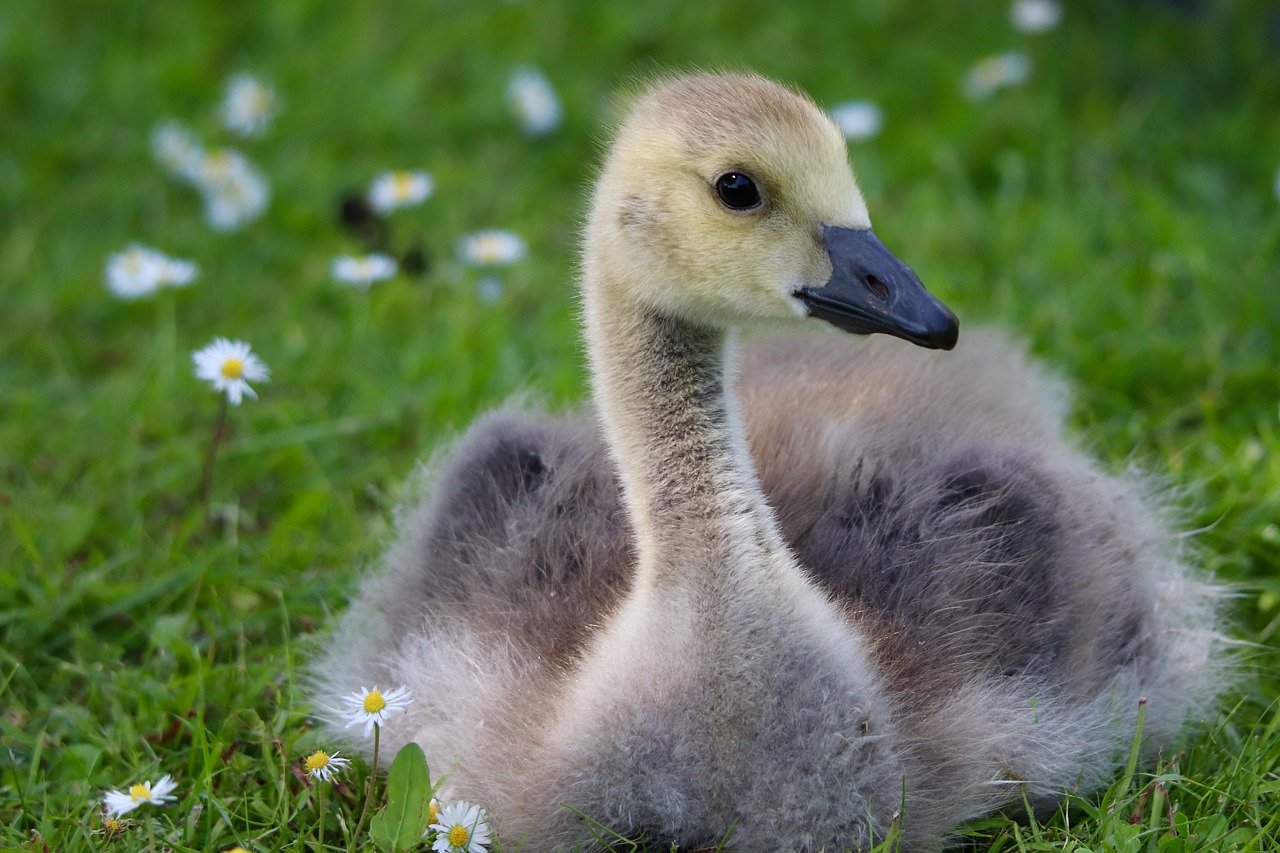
[(674, 431)]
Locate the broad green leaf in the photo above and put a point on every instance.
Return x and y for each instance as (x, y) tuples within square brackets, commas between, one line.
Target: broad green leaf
[(400, 823)]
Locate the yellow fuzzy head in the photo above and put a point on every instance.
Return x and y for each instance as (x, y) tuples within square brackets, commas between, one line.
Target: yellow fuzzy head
[(660, 221)]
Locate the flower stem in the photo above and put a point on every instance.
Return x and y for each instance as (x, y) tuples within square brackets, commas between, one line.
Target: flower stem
[(368, 788), (320, 786), (206, 479)]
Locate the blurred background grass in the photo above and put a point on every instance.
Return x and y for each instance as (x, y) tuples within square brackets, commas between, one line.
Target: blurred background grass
[(1119, 210)]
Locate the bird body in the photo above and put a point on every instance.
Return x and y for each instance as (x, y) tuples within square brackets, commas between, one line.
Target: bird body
[(799, 589)]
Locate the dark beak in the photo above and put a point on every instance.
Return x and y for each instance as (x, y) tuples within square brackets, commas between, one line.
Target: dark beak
[(872, 291)]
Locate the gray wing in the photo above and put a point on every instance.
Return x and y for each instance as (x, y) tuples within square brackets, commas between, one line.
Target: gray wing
[(524, 532)]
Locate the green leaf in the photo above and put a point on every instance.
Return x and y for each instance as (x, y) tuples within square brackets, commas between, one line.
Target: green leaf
[(400, 823)]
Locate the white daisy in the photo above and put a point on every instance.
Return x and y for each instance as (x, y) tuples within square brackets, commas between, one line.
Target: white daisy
[(234, 205), (992, 73), (139, 271), (491, 248), (122, 802), (534, 100), (248, 105), (222, 165), (178, 150), (1035, 16), (461, 828), (134, 273), (391, 190), (363, 271), (373, 707), (858, 120), (176, 272), (230, 366), (112, 826), (323, 766), (234, 191)]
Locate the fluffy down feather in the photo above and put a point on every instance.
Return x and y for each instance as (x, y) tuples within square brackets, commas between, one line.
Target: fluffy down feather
[(1018, 599)]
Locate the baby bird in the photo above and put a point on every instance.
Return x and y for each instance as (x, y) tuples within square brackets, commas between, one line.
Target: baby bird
[(807, 590)]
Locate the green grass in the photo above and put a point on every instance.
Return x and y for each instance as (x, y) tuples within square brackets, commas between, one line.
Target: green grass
[(1118, 211)]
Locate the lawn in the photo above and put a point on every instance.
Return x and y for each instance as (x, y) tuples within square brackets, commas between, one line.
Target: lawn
[(1118, 210)]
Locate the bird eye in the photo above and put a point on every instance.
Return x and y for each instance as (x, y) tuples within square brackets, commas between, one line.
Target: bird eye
[(737, 191)]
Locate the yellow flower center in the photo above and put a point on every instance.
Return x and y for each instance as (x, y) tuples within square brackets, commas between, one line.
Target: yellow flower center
[(218, 164), (233, 368), (433, 812), (112, 826), (488, 250), (403, 184), (373, 702), (459, 835), (141, 791), (316, 760)]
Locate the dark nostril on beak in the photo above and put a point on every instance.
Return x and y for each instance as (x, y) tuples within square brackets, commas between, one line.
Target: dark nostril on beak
[(872, 291), (878, 287)]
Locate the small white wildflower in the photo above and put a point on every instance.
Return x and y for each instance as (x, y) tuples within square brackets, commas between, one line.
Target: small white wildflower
[(1035, 16), (391, 190), (323, 766), (122, 802), (461, 828), (139, 271), (235, 192), (248, 105), (992, 73), (534, 101), (234, 205), (221, 166), (373, 707), (178, 150), (858, 120), (230, 366), (133, 273), (176, 272), (112, 826), (491, 248), (363, 271)]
